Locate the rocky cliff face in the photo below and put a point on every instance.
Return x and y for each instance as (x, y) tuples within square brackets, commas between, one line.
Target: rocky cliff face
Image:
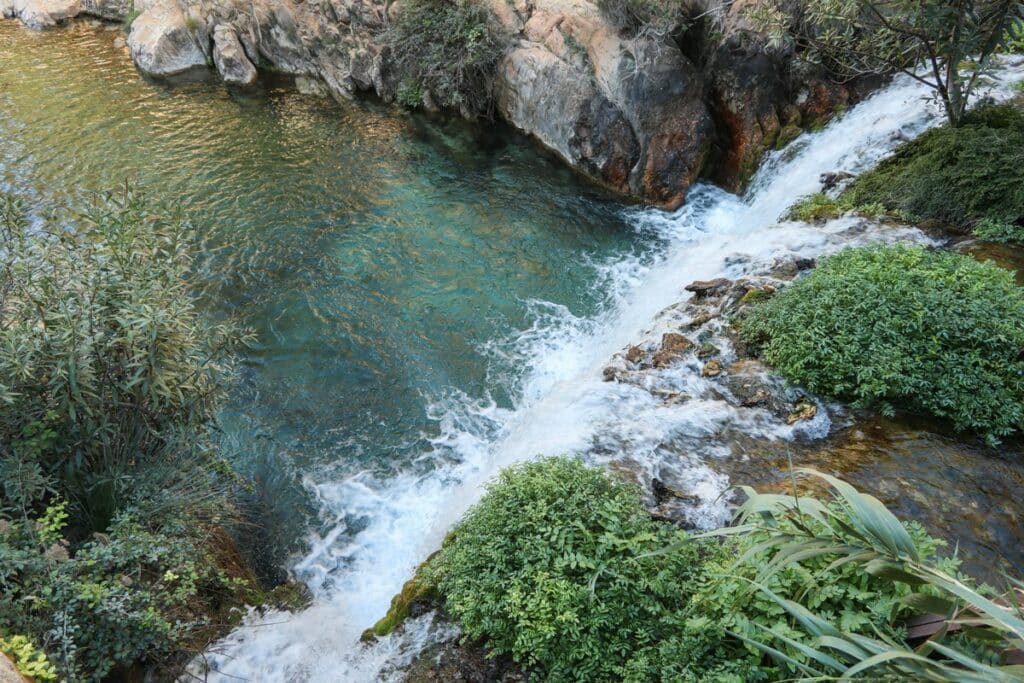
[(645, 115)]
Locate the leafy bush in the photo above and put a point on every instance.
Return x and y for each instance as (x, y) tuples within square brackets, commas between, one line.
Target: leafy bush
[(112, 497), (552, 567), (652, 17), (901, 326), (560, 567), (450, 50), (105, 362), (960, 176)]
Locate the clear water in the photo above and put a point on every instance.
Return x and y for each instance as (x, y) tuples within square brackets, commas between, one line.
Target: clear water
[(374, 253), (433, 302)]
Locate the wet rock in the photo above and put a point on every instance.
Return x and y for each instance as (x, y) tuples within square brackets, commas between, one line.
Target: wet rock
[(163, 42), (673, 347), (713, 368), (634, 354), (229, 57), (787, 269), (700, 319), (707, 350), (804, 410), (111, 10), (752, 385), (671, 398), (706, 288), (453, 662), (831, 180), (40, 14)]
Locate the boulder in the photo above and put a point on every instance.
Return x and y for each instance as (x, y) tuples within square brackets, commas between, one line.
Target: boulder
[(163, 41), (627, 111), (40, 14), (229, 57)]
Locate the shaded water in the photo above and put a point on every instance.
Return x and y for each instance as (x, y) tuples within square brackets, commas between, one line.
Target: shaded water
[(434, 302)]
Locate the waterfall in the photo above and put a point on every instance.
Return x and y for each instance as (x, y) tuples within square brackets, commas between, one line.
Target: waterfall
[(563, 406)]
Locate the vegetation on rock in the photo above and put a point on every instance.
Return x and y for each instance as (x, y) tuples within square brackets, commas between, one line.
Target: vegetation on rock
[(447, 53), (903, 327), (970, 177), (562, 568), (554, 567), (113, 498), (647, 17)]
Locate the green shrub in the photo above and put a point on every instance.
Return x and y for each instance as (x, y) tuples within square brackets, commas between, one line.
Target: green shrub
[(105, 362), (551, 568), (903, 327), (112, 496), (960, 176), (449, 49), (657, 17)]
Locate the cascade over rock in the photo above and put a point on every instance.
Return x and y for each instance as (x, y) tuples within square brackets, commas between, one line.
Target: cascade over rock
[(643, 114)]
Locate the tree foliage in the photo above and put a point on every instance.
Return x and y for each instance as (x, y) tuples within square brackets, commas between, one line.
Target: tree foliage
[(945, 44), (903, 327)]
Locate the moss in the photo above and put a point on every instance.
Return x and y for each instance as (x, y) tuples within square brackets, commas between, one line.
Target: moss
[(966, 177), (421, 587), (815, 208), (754, 295), (707, 349), (787, 135)]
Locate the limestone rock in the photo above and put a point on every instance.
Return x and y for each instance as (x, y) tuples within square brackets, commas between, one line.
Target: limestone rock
[(39, 14), (162, 42), (8, 671), (229, 57)]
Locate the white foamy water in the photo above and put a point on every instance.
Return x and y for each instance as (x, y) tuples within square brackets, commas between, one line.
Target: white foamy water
[(565, 407)]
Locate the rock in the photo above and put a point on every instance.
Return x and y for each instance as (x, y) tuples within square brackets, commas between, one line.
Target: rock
[(805, 410), (712, 368), (673, 346), (832, 179), (40, 14), (229, 57), (707, 349), (455, 662), (163, 41), (629, 112), (634, 354), (706, 288), (9, 672), (111, 10), (120, 43), (311, 86)]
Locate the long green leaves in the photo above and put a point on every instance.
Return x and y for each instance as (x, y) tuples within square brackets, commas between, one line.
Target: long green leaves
[(855, 528)]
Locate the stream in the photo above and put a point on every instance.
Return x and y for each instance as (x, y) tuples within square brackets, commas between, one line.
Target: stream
[(436, 300)]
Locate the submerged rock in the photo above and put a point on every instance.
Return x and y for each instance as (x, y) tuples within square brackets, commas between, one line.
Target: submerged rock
[(163, 41)]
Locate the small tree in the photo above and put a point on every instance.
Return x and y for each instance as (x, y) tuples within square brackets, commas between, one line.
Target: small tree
[(953, 39)]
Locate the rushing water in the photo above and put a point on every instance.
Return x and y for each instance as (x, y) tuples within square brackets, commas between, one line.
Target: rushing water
[(432, 303)]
